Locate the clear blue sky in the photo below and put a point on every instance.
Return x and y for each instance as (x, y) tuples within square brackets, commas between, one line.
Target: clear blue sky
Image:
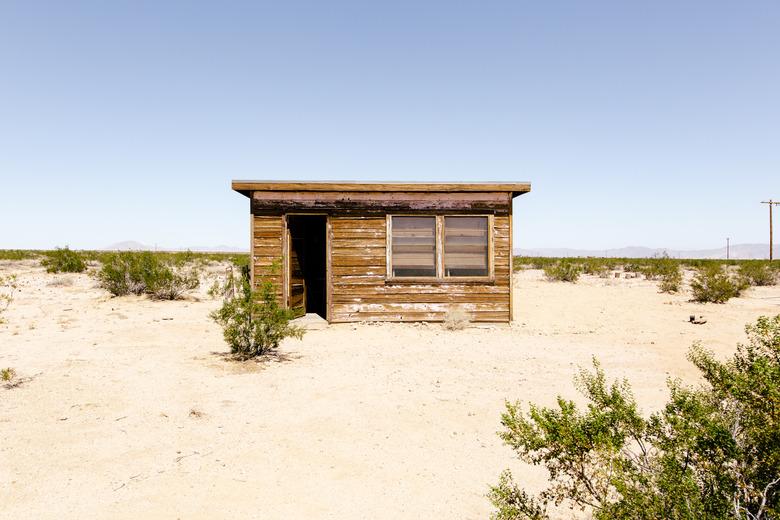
[(638, 123)]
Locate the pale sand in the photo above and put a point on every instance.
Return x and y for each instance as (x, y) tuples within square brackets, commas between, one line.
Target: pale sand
[(131, 412)]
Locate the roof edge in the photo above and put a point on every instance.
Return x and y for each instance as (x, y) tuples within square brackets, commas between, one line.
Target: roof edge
[(245, 187)]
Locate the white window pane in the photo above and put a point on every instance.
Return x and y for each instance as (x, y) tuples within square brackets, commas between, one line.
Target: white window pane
[(465, 246), (414, 246)]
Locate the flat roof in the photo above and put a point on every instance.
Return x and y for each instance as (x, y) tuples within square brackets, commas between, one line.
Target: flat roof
[(245, 186)]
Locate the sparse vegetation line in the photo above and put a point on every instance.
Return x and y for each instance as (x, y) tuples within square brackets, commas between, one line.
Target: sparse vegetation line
[(174, 257)]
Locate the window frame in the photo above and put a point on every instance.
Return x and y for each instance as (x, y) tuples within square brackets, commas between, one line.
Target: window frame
[(439, 241)]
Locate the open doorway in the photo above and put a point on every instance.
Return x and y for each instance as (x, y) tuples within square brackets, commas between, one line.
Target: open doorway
[(307, 264)]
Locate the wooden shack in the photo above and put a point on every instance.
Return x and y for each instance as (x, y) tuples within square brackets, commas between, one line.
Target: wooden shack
[(370, 251)]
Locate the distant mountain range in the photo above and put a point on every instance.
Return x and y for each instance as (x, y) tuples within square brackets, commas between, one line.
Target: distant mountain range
[(132, 245), (741, 251)]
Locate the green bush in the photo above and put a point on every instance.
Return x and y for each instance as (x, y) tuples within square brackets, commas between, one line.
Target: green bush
[(713, 283), (146, 273), (655, 268), (240, 261), (757, 273), (172, 285), (667, 271), (563, 272), (595, 266), (711, 452), (671, 282), (63, 260), (7, 374), (253, 323)]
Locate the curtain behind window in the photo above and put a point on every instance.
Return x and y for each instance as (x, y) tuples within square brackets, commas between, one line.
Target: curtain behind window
[(414, 246), (465, 246)]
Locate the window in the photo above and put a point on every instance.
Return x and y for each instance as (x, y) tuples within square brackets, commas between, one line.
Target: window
[(465, 246), (439, 246), (414, 246)]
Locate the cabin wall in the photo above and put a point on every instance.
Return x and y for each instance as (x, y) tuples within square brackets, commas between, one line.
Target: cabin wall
[(357, 234), (267, 251), (360, 291)]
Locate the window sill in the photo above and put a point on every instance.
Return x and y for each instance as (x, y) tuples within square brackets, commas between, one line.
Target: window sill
[(450, 280)]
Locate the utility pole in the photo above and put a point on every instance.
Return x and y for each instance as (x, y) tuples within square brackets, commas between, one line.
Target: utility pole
[(771, 243), (727, 248)]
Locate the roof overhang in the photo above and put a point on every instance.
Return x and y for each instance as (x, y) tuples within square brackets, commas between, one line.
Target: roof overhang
[(245, 187)]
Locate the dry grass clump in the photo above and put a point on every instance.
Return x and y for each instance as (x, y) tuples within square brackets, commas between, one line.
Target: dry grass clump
[(7, 374), (8, 286), (456, 319), (61, 282)]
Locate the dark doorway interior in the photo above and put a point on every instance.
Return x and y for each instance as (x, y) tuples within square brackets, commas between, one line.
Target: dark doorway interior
[(308, 255)]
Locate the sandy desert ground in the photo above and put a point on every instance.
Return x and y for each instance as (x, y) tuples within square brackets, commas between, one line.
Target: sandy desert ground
[(127, 408)]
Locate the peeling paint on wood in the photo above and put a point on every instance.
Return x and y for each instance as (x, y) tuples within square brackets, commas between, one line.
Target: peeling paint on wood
[(358, 286)]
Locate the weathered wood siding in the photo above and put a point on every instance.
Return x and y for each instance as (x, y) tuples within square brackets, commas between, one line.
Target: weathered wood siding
[(358, 285), (360, 291), (377, 203), (267, 256)]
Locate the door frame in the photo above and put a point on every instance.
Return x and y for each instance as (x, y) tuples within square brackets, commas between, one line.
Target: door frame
[(286, 258)]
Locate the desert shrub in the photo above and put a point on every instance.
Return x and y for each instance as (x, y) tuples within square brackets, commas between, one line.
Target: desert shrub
[(595, 266), (456, 319), (757, 273), (226, 287), (667, 271), (563, 272), (8, 286), (711, 452), (533, 262), (240, 261), (656, 267), (713, 283), (253, 323), (7, 374), (146, 273), (123, 273), (63, 260), (671, 281), (217, 289), (18, 254), (633, 266), (169, 284), (652, 268)]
